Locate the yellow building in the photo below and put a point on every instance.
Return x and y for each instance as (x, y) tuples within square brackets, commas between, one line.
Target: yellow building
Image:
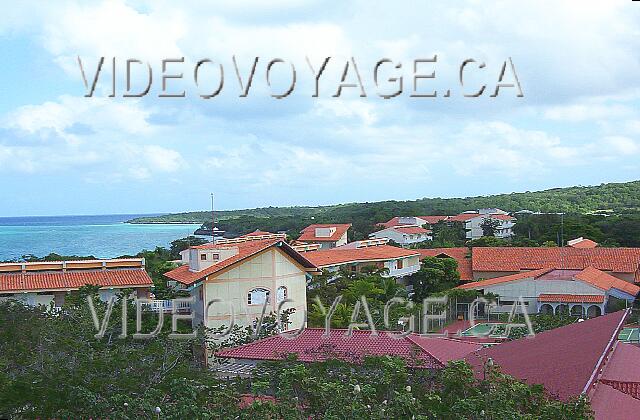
[(232, 280)]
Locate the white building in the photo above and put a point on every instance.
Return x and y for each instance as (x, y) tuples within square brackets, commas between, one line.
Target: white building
[(399, 262), (404, 235), (581, 292), (473, 221)]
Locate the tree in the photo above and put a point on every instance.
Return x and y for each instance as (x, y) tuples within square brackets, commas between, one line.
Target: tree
[(489, 226), (435, 275)]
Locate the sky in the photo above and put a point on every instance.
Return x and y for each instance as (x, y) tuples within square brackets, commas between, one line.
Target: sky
[(576, 122)]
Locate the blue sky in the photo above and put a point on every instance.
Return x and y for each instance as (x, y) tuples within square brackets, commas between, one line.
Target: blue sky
[(61, 153)]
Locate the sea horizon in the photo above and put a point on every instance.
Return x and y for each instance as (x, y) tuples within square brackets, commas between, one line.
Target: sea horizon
[(101, 236)]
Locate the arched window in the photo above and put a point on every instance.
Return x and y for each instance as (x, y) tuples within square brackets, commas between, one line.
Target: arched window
[(281, 293), (258, 296)]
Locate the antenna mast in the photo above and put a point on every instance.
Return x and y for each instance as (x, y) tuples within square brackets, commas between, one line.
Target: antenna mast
[(213, 222)]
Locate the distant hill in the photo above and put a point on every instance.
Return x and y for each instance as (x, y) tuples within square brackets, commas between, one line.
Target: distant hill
[(617, 198)]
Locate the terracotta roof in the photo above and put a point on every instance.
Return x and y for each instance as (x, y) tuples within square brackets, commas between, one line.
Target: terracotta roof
[(564, 360), (589, 275), (606, 281), (461, 255), (505, 279), (412, 230), (335, 256), (564, 298), (582, 243), (463, 217), (311, 345), (309, 233), (245, 250), (71, 280), (617, 260)]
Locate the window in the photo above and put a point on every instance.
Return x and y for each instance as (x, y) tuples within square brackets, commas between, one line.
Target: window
[(203, 257), (281, 293), (258, 296), (216, 257), (399, 264)]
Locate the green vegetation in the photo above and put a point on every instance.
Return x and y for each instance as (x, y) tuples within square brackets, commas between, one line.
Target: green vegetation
[(51, 366), (612, 210), (435, 275)]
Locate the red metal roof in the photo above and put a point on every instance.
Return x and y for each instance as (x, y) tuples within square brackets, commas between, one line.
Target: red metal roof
[(309, 233), (617, 260), (71, 280), (461, 255), (564, 360), (311, 345), (564, 298), (335, 256), (245, 250)]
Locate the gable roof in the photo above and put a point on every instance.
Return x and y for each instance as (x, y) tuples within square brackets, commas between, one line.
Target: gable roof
[(461, 255), (309, 233), (564, 360), (248, 249), (582, 243), (256, 232), (617, 260), (505, 279), (336, 256), (432, 220), (311, 345)]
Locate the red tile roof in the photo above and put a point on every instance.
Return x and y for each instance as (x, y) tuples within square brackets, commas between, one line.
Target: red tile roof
[(71, 280), (606, 281), (461, 255), (412, 230), (564, 298), (617, 260), (309, 233), (245, 250), (582, 243), (463, 217), (335, 256), (589, 275), (311, 345), (564, 360)]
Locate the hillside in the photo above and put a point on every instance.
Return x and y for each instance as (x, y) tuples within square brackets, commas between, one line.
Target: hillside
[(619, 198)]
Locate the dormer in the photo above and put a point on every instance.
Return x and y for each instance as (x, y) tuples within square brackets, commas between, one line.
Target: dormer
[(325, 232), (203, 258)]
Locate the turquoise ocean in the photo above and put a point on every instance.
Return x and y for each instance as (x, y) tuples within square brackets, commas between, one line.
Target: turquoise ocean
[(106, 236)]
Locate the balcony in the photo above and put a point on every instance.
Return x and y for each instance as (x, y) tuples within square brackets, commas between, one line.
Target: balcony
[(166, 306), (404, 271)]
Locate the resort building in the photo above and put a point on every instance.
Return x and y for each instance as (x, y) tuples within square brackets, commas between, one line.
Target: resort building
[(242, 276), (326, 235), (489, 262), (472, 221), (583, 293), (48, 283), (398, 262), (404, 235)]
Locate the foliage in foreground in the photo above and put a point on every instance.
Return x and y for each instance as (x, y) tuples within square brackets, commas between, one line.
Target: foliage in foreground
[(51, 366)]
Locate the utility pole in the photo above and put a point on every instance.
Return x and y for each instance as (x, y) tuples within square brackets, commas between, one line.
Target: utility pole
[(213, 222)]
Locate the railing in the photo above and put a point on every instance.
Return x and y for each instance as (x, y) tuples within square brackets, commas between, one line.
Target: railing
[(166, 306), (405, 271)]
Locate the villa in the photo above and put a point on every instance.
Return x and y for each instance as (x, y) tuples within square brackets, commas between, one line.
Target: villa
[(404, 235), (48, 283), (326, 235)]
